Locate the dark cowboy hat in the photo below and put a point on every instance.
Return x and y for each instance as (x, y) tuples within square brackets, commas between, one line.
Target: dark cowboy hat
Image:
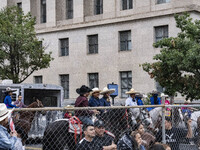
[(83, 89), (155, 92), (138, 95)]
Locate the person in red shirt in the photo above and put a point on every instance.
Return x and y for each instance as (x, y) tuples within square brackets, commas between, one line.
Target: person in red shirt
[(82, 101)]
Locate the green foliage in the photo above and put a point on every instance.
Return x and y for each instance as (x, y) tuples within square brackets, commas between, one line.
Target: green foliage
[(21, 52), (177, 66)]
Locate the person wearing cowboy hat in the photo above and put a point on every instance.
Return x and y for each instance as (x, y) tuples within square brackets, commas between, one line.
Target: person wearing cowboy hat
[(82, 101), (8, 99), (8, 140), (131, 101), (138, 97), (105, 100), (94, 99), (154, 99)]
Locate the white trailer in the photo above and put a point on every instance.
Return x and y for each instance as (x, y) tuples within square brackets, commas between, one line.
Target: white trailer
[(50, 95)]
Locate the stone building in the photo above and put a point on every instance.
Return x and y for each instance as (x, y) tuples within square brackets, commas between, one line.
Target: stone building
[(96, 42)]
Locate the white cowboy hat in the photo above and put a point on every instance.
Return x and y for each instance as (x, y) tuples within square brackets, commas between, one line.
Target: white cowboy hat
[(164, 95), (187, 101), (8, 89), (106, 90), (132, 91), (4, 112), (95, 90)]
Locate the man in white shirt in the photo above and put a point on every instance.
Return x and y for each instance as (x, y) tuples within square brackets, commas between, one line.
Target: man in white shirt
[(131, 101)]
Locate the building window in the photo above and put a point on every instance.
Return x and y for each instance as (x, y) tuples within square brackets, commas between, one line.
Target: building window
[(127, 4), (37, 79), (98, 7), (125, 40), (162, 1), (69, 9), (161, 32), (19, 5), (64, 81), (43, 11), (93, 44), (93, 80), (126, 82), (64, 47)]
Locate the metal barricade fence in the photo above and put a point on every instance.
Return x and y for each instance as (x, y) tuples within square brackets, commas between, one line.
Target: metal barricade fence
[(49, 128)]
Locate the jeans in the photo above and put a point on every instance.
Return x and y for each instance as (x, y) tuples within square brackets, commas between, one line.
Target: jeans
[(86, 120)]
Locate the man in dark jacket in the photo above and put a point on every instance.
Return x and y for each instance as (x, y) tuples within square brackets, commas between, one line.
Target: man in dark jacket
[(82, 101)]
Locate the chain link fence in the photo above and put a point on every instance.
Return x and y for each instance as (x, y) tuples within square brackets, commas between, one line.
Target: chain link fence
[(119, 127)]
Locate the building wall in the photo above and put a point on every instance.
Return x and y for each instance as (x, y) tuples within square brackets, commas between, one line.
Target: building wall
[(109, 61)]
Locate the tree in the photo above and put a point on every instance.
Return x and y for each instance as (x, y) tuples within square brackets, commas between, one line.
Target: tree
[(21, 53), (177, 66)]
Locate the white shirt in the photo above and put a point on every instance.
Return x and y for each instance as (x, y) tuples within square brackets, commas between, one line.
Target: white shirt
[(134, 111), (129, 102)]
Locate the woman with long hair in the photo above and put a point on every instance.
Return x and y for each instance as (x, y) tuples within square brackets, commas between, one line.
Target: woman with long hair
[(137, 137), (147, 138)]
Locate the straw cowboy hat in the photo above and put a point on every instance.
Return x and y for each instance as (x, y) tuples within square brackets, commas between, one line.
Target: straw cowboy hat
[(95, 90), (4, 112), (106, 90), (132, 91)]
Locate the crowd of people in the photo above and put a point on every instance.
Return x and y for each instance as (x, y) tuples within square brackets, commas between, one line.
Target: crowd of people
[(96, 137), (10, 136), (138, 139), (95, 134)]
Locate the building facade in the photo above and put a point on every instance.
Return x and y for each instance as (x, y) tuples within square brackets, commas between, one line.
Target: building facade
[(96, 42)]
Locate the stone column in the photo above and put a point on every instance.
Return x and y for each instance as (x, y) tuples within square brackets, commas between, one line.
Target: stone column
[(78, 7), (26, 6), (51, 13)]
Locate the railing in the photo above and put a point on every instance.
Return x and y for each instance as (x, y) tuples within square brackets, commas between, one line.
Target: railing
[(50, 130)]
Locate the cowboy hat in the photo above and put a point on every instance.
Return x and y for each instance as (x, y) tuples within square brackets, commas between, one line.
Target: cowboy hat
[(138, 95), (83, 89), (95, 90), (164, 95), (187, 101), (155, 92), (8, 89), (132, 91), (106, 90), (4, 112)]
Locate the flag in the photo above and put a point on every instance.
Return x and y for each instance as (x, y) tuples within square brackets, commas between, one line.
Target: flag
[(11, 125)]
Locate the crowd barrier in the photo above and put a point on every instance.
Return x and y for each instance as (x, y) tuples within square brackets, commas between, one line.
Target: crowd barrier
[(49, 128)]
